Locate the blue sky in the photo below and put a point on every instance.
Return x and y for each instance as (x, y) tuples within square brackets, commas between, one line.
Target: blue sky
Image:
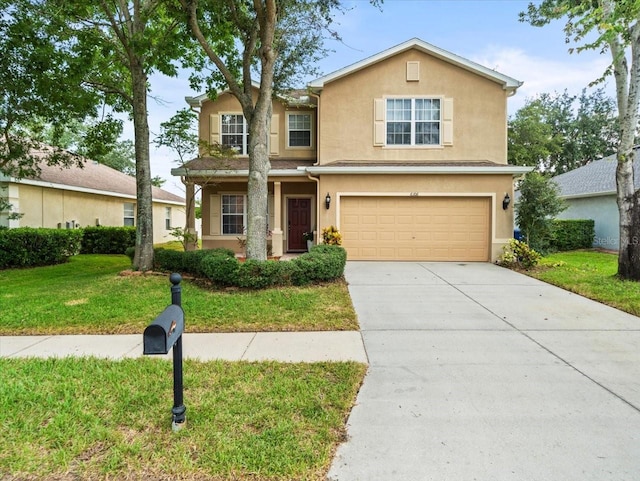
[(485, 31)]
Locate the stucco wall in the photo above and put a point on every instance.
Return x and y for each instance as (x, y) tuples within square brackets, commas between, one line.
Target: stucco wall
[(46, 207), (228, 104), (604, 211), (346, 109)]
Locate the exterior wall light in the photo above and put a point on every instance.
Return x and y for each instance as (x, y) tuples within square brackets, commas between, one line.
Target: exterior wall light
[(327, 201), (506, 201)]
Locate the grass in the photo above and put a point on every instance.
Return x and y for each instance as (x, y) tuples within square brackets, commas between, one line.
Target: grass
[(86, 295), (591, 274), (69, 419)]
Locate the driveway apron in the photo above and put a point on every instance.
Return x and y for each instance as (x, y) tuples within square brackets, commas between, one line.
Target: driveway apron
[(480, 373)]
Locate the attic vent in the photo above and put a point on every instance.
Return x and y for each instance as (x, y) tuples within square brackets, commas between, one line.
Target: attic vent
[(413, 71)]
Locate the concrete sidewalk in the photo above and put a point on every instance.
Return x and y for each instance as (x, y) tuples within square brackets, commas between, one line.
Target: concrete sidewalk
[(249, 346)]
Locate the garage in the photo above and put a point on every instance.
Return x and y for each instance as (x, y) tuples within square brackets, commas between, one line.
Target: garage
[(416, 228)]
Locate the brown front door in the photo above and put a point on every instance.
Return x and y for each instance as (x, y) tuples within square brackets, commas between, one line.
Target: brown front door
[(299, 214)]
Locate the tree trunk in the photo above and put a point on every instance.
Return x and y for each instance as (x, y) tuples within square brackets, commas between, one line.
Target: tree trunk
[(259, 166), (143, 259), (629, 209)]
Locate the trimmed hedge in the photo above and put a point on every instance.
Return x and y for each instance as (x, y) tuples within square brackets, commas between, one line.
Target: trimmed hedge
[(31, 247), (323, 263), (572, 234), (108, 240)]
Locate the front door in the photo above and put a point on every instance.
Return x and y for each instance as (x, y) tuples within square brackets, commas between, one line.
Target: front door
[(299, 215)]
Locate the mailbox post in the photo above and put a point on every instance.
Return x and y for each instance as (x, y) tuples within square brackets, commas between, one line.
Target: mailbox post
[(164, 333)]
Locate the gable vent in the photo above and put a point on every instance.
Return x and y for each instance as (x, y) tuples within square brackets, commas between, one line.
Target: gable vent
[(413, 71)]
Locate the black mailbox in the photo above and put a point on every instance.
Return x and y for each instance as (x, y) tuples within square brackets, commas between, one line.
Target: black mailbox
[(160, 336)]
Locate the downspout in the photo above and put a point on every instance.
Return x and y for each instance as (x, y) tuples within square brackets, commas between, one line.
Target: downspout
[(317, 162)]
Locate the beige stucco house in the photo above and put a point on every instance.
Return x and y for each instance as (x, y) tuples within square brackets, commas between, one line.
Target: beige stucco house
[(79, 197), (404, 152)]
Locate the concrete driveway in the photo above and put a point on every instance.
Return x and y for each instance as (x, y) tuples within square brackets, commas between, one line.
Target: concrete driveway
[(480, 373)]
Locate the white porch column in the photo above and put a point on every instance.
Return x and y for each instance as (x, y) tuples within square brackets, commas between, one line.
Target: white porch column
[(277, 246)]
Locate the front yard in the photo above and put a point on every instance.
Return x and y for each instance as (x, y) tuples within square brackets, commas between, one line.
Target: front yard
[(87, 296), (86, 418), (591, 274)]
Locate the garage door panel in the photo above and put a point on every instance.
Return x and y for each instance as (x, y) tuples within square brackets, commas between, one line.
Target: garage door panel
[(411, 228)]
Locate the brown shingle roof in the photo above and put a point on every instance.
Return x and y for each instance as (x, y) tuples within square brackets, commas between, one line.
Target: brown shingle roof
[(210, 163), (96, 176)]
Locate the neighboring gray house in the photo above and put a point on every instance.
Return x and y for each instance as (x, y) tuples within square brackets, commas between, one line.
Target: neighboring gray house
[(590, 193)]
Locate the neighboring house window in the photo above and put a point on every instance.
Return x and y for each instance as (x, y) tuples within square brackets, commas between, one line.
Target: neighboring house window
[(129, 213), (414, 121), (299, 130), (167, 218), (234, 132), (233, 214)]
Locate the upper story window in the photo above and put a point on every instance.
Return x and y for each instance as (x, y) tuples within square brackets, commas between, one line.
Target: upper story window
[(234, 132), (413, 121), (129, 214), (299, 130)]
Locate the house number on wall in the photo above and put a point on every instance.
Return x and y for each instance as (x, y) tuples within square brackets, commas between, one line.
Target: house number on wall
[(414, 194)]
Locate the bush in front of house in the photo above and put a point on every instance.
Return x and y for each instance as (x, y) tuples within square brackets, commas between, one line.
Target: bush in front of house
[(518, 255), (187, 262), (31, 247), (107, 240), (221, 268), (323, 263), (572, 234)]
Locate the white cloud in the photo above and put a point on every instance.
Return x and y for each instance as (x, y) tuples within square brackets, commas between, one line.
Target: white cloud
[(545, 74)]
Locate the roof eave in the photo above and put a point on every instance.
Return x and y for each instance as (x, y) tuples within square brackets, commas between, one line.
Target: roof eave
[(419, 169), (507, 82), (181, 172)]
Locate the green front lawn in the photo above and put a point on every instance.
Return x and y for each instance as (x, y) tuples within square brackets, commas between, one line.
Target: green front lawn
[(86, 295), (90, 419), (591, 274)]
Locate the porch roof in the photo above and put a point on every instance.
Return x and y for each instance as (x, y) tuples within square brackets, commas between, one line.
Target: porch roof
[(210, 167), (237, 167)]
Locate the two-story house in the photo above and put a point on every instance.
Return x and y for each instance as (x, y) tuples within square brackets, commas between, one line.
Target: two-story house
[(404, 152)]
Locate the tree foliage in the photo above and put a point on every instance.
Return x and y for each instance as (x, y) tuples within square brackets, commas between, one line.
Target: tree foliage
[(277, 41), (557, 133), (127, 41), (38, 59), (539, 203), (613, 26)]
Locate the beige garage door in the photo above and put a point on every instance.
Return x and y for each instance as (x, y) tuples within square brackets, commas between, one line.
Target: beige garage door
[(416, 228)]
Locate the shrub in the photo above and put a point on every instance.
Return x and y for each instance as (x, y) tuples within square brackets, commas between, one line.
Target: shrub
[(572, 234), (221, 269), (518, 254), (322, 263), (253, 274), (29, 247), (130, 252), (186, 261), (331, 236), (107, 240)]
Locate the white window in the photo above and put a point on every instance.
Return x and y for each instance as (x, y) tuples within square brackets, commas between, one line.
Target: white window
[(234, 214), (167, 218), (234, 132), (299, 130), (129, 213), (414, 121)]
